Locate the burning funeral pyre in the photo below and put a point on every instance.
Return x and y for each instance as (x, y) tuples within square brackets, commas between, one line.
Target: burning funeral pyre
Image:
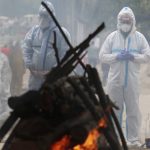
[(68, 112)]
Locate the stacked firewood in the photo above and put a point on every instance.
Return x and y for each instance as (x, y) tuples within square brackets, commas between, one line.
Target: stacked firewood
[(65, 109)]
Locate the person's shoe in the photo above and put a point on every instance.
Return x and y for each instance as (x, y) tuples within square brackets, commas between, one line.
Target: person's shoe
[(134, 144)]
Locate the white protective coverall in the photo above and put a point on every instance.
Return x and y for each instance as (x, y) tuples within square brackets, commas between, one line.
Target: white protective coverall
[(123, 79), (38, 51), (5, 80)]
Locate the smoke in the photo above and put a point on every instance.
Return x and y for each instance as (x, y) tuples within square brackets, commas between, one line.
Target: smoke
[(80, 17)]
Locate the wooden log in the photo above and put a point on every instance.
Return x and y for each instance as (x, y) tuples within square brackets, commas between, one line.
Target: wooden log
[(31, 136)]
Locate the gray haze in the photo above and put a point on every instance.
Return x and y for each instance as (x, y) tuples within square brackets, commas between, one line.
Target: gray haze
[(80, 17), (75, 14)]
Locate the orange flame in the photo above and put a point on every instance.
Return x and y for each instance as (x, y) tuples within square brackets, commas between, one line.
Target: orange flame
[(89, 144), (91, 141), (62, 144)]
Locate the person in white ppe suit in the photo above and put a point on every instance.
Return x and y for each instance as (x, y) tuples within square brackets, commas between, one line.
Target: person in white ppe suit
[(5, 81), (38, 50), (124, 50)]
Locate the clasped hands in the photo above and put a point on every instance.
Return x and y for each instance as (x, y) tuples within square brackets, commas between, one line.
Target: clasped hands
[(125, 55)]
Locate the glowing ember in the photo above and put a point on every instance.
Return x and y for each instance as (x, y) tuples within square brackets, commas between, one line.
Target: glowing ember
[(102, 123)]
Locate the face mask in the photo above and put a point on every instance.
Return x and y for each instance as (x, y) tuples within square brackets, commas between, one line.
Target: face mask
[(125, 27), (44, 22)]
